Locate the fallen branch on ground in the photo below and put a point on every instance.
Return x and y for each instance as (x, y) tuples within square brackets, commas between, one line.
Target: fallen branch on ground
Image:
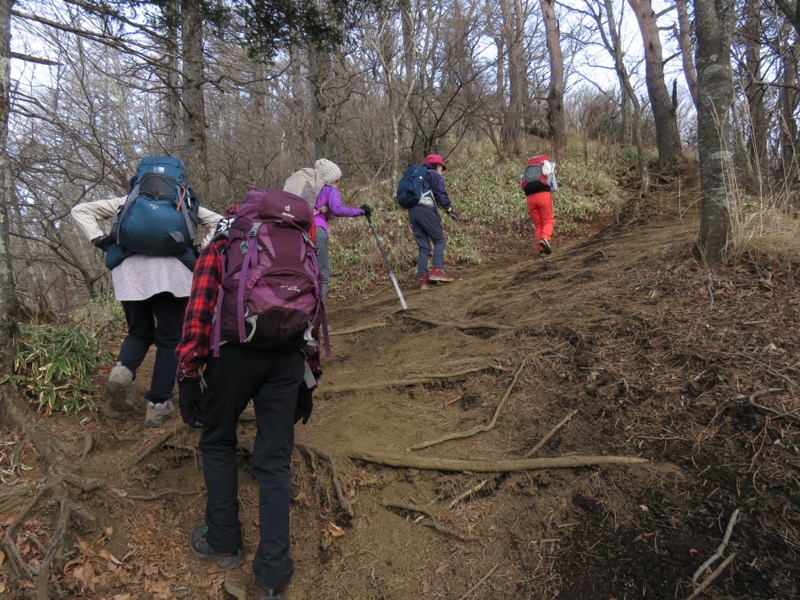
[(778, 414), (480, 428), (434, 521), (421, 379), (468, 493), (551, 433), (708, 580), (477, 585), (720, 548), (413, 461)]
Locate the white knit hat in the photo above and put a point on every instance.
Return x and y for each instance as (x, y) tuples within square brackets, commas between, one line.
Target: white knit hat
[(328, 170)]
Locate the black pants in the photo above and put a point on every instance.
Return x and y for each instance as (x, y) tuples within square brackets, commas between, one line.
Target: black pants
[(157, 320), (272, 380)]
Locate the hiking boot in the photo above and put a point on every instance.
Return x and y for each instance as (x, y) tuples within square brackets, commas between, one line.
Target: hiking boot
[(544, 246), (424, 282), (120, 388), (437, 274), (157, 414), (201, 549), (279, 593)]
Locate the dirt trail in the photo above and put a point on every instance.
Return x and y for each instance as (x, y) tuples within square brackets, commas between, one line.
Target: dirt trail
[(655, 359)]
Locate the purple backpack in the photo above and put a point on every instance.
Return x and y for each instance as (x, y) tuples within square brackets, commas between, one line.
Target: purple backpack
[(271, 294)]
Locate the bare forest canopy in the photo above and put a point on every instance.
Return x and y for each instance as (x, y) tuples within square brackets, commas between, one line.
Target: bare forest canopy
[(244, 92)]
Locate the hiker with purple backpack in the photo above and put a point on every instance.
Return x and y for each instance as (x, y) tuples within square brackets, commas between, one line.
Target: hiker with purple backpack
[(253, 338), (329, 204)]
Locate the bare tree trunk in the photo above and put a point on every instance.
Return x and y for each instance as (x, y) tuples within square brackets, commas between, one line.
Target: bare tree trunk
[(664, 112), (297, 128), (8, 324), (514, 28), (613, 43), (173, 98), (555, 94), (789, 101), (759, 131), (318, 71), (685, 43), (196, 151), (714, 25), (500, 70)]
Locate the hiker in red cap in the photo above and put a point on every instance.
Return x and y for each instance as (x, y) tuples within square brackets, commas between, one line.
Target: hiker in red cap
[(426, 224)]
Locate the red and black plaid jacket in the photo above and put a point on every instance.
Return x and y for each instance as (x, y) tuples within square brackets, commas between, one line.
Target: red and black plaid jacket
[(195, 345)]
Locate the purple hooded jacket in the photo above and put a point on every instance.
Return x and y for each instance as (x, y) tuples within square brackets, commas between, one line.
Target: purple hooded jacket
[(330, 197)]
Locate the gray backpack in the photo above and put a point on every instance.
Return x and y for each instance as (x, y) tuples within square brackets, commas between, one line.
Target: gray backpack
[(306, 183)]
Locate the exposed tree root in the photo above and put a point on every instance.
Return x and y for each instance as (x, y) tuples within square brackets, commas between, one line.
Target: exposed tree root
[(419, 380), (460, 326), (343, 503), (167, 493), (16, 414), (353, 330), (411, 461), (480, 428), (154, 446)]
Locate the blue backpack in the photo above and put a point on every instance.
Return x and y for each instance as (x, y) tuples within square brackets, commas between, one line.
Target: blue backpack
[(160, 216), (410, 186)]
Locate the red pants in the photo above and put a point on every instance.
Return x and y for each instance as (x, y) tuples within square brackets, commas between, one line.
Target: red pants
[(540, 207)]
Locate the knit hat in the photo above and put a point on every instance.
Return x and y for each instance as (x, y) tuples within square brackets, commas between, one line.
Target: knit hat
[(434, 160), (328, 170)]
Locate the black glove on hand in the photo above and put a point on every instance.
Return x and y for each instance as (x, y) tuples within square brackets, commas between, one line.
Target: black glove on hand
[(366, 210), (305, 404), (189, 394), (103, 242), (453, 215)]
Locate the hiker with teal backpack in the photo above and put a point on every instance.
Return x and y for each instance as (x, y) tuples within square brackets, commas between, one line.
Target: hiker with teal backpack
[(150, 249), (422, 191)]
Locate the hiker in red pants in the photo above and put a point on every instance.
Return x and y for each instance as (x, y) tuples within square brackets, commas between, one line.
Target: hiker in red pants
[(538, 181)]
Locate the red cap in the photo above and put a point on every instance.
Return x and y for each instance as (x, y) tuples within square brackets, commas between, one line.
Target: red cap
[(434, 160)]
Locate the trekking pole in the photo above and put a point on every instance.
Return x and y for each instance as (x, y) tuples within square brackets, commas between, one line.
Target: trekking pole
[(388, 266)]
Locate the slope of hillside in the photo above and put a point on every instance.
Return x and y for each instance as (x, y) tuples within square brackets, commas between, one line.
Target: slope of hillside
[(617, 347)]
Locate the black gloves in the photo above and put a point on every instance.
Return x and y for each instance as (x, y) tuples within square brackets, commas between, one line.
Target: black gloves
[(453, 214), (305, 404), (366, 210), (190, 391), (103, 242)]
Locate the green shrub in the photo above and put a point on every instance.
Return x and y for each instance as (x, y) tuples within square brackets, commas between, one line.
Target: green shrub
[(52, 365)]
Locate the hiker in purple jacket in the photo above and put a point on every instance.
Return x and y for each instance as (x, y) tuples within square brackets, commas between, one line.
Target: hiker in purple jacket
[(329, 204)]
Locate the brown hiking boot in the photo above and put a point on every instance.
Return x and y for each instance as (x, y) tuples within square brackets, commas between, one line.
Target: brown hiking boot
[(437, 274)]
